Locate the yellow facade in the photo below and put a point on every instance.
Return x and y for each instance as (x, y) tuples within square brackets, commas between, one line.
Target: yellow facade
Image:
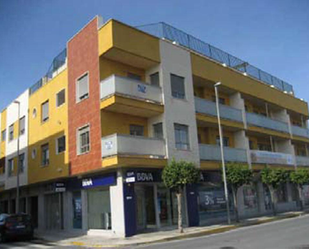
[(47, 132), (208, 135), (2, 143)]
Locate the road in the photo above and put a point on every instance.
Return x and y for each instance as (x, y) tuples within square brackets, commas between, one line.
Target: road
[(34, 244), (284, 234)]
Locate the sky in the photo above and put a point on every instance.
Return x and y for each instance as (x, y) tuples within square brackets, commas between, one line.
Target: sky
[(271, 35)]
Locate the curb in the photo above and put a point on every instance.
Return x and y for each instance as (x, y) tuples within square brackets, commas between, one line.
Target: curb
[(193, 235)]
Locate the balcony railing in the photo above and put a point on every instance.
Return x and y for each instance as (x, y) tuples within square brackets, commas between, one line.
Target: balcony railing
[(212, 153), (132, 145), (261, 121), (166, 31), (267, 157), (302, 160), (299, 131), (208, 107), (130, 87)]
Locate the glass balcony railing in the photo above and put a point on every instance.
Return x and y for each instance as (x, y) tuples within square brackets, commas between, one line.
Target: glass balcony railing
[(302, 160), (131, 88), (226, 112), (133, 145), (265, 122), (299, 131), (267, 157), (212, 153)]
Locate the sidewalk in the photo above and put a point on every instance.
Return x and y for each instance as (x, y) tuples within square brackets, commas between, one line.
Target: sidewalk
[(91, 241)]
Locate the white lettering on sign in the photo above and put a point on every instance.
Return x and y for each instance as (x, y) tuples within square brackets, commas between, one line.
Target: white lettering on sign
[(87, 182), (130, 179), (144, 177)]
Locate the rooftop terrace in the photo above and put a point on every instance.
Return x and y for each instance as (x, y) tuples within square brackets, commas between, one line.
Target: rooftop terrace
[(166, 31)]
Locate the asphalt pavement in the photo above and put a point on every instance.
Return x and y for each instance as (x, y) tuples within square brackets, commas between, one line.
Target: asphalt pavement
[(285, 234)]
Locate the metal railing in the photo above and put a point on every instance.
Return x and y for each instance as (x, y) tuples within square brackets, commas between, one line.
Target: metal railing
[(212, 153), (132, 145), (166, 31), (209, 107), (302, 160), (299, 131), (265, 122), (56, 64), (130, 87)]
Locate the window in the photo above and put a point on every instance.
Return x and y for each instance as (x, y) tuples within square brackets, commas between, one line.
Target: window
[(21, 163), (83, 140), (178, 86), (136, 130), (3, 135), (265, 147), (158, 130), (45, 154), (225, 141), (251, 145), (60, 143), (60, 98), (154, 79), (11, 132), (134, 76), (11, 167), (221, 100), (82, 88), (22, 123), (181, 137), (45, 111)]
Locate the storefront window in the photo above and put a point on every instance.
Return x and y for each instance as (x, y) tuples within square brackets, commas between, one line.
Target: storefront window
[(267, 198), (77, 210), (282, 193), (250, 197), (164, 207), (99, 209)]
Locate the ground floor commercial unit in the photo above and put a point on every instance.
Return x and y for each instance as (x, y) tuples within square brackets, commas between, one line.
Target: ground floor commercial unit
[(129, 201)]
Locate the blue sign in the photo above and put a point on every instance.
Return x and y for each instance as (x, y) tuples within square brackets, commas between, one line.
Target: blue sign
[(99, 181), (141, 88), (143, 176)]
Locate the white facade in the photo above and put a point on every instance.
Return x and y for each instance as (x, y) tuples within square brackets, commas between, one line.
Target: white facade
[(11, 146)]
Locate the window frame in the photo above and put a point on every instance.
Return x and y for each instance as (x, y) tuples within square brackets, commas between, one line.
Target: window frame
[(11, 139), (57, 145), (24, 130), (85, 96), (47, 160), (47, 118), (57, 101), (154, 130), (183, 146), (3, 135), (133, 126), (178, 95), (78, 151), (151, 77), (10, 167), (21, 166)]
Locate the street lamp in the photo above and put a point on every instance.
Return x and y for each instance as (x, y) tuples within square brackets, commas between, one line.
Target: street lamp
[(17, 174), (222, 154)]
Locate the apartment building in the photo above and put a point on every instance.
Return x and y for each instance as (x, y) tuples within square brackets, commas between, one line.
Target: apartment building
[(120, 102)]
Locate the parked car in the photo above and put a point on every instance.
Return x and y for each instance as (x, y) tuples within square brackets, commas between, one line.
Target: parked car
[(15, 226)]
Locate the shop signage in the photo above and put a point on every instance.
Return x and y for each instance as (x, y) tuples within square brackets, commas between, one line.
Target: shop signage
[(98, 181), (143, 176), (141, 88), (60, 187), (271, 157)]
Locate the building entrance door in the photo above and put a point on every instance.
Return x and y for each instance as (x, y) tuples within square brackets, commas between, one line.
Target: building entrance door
[(53, 211), (145, 207)]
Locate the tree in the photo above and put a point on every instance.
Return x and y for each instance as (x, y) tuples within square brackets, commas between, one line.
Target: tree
[(300, 177), (273, 178), (176, 175), (237, 175)]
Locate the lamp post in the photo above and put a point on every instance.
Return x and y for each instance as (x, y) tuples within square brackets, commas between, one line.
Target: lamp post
[(17, 174), (222, 154)]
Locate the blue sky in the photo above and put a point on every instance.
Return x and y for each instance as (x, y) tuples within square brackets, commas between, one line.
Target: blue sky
[(272, 35)]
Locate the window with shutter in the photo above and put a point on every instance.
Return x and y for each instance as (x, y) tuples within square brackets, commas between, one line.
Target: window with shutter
[(181, 137), (11, 132), (154, 79), (22, 123), (45, 154), (45, 111), (83, 137), (60, 98), (82, 88), (60, 144)]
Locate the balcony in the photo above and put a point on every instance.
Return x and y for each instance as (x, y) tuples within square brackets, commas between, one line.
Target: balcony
[(133, 146), (302, 160), (204, 106), (267, 157), (265, 122), (125, 95), (212, 153), (299, 131)]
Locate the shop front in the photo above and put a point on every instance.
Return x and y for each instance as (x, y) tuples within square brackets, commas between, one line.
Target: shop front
[(155, 206)]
